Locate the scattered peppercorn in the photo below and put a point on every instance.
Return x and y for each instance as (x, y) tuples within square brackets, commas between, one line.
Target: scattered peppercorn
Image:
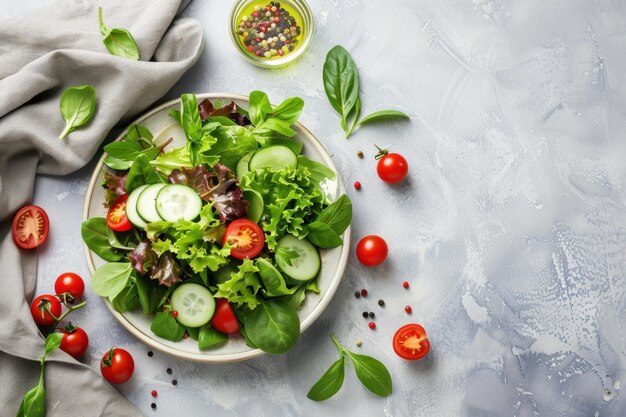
[(408, 309), (358, 343), (357, 294), (150, 353), (372, 325), (175, 313), (153, 405), (174, 382), (357, 185), (169, 371), (381, 303), (154, 393), (364, 292), (365, 314), (405, 284), (359, 154), (372, 315), (280, 31)]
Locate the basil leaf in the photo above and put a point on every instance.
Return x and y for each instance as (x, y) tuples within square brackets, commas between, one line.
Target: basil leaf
[(289, 110), (145, 294), (77, 106), (110, 279), (118, 41), (94, 232), (128, 298), (140, 173), (323, 236), (341, 82), (273, 326), (210, 338), (338, 215), (275, 125), (53, 342), (259, 107), (382, 115), (372, 373), (330, 383), (166, 326), (233, 142), (34, 402), (116, 163), (128, 150)]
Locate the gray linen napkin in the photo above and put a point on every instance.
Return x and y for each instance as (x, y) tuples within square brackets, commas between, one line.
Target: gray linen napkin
[(44, 52)]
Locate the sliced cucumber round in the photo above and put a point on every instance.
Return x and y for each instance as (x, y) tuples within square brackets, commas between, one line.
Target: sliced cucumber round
[(242, 166), (194, 303), (146, 203), (298, 258), (255, 205), (131, 207), (177, 201), (275, 158)]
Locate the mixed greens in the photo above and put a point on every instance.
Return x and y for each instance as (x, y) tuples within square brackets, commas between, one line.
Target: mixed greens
[(221, 235)]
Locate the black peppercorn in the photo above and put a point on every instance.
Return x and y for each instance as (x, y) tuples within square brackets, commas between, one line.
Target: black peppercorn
[(169, 371), (381, 303), (372, 314), (357, 294), (365, 314), (153, 405)]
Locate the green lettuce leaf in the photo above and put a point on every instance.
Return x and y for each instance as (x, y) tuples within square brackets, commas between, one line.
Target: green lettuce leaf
[(242, 287)]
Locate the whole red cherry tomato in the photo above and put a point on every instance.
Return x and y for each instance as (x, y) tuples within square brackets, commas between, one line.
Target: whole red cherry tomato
[(372, 250), (75, 341), (42, 306), (392, 168), (69, 282), (117, 366)]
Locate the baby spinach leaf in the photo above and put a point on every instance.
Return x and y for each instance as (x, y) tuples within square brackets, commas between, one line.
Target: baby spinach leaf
[(273, 326), (323, 236), (259, 107), (381, 115), (330, 383), (77, 106), (128, 298), (148, 297), (118, 41), (194, 332), (209, 337), (273, 281), (338, 215), (111, 278), (372, 373), (166, 326), (296, 299), (94, 232), (115, 242), (141, 172)]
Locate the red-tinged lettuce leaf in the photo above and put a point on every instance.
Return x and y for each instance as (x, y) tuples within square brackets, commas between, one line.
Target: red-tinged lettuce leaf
[(206, 110), (167, 270), (197, 178), (227, 196), (114, 185), (143, 258)]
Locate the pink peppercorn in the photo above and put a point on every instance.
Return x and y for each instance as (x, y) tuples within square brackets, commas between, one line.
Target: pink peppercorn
[(357, 185), (364, 292), (372, 325), (408, 309), (154, 393), (405, 284)]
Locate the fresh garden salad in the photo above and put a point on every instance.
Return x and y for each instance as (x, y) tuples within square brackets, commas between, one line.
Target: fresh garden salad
[(221, 235)]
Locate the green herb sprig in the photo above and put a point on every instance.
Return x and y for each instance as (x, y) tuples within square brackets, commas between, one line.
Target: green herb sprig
[(77, 106), (118, 41), (341, 83), (371, 372)]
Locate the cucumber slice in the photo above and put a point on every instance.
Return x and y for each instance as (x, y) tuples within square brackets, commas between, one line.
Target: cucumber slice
[(242, 166), (131, 207), (177, 201), (255, 205), (146, 205), (194, 303), (273, 157), (303, 267), (292, 143)]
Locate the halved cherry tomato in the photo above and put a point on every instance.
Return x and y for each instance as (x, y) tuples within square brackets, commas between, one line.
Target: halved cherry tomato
[(117, 366), (392, 168), (75, 341), (410, 342), (224, 319), (116, 217), (372, 250), (245, 237), (69, 282), (42, 306), (30, 227)]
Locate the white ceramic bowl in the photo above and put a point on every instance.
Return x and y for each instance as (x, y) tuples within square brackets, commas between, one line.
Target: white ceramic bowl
[(334, 261)]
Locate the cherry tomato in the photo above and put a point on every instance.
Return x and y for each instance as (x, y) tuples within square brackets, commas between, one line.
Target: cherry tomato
[(372, 250), (117, 366), (30, 227), (69, 282), (410, 342), (245, 237), (224, 319), (392, 168), (42, 306), (116, 217), (75, 341)]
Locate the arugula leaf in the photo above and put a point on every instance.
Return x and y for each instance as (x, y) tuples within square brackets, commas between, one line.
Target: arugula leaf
[(330, 383), (273, 326), (209, 338), (141, 172), (111, 278), (166, 326), (95, 235), (118, 41), (77, 106)]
